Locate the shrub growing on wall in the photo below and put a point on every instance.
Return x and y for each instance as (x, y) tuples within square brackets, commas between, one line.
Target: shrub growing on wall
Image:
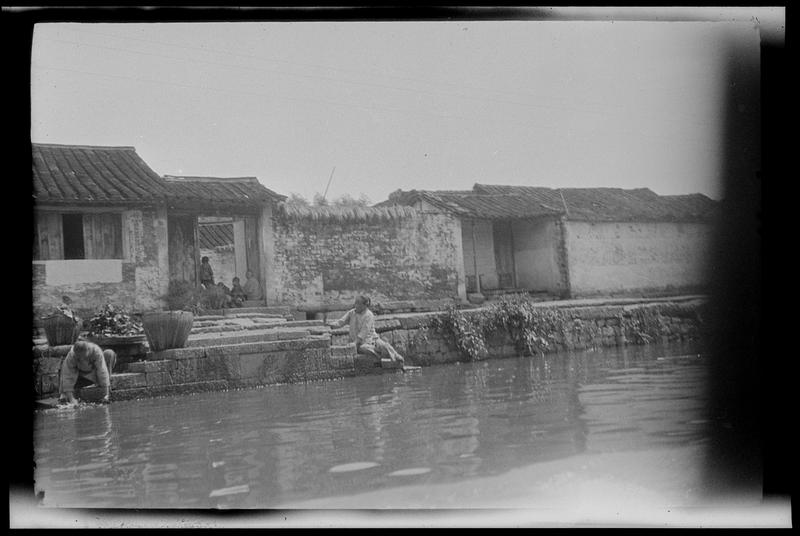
[(532, 329)]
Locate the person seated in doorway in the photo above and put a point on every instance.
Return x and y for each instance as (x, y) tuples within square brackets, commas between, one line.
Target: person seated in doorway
[(238, 295), (84, 365), (252, 288), (226, 298), (362, 331), (206, 273)]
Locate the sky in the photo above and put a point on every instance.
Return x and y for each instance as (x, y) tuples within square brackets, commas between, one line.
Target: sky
[(377, 106)]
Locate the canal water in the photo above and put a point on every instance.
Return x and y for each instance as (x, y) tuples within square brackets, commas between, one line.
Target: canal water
[(445, 429)]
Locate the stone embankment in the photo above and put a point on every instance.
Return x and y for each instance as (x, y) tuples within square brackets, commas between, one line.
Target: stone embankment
[(240, 349)]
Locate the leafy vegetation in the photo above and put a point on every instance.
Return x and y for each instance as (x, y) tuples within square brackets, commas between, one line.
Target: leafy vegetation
[(540, 329), (114, 321), (183, 296), (531, 329)]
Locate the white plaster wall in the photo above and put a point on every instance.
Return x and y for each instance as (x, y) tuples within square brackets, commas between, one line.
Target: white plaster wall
[(536, 254), (136, 282), (618, 257), (484, 245), (77, 271), (269, 274)]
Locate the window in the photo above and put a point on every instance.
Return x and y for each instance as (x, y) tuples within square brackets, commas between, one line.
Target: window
[(72, 224), (77, 236)]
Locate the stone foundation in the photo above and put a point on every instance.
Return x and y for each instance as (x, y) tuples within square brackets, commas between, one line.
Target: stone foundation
[(326, 356)]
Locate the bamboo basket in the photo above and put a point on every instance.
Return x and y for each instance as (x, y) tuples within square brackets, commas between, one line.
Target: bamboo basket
[(167, 329), (60, 330)]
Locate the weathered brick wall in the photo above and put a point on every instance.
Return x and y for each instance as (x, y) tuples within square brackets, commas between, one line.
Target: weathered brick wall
[(328, 261), (136, 282)]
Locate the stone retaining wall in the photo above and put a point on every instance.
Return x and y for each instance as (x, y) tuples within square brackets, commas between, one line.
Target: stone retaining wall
[(329, 356), (588, 327)]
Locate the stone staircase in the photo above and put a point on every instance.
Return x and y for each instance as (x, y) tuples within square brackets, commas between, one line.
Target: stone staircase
[(237, 339)]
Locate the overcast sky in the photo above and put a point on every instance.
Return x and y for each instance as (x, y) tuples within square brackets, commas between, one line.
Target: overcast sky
[(411, 105)]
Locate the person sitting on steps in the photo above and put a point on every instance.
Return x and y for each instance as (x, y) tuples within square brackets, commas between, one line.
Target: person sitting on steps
[(238, 295), (363, 334), (252, 288)]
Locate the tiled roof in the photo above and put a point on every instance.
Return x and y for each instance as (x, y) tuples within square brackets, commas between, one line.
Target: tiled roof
[(77, 173), (468, 204), (215, 235), (612, 204), (579, 204), (91, 174), (246, 190)]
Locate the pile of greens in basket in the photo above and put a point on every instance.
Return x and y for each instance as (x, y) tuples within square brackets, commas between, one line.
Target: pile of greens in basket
[(114, 321)]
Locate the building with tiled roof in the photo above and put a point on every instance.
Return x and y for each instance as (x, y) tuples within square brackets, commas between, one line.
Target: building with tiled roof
[(69, 174), (109, 228), (575, 241), (240, 191)]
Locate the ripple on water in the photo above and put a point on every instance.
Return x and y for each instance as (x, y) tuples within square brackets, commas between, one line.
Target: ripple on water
[(233, 490), (347, 467), (411, 471)]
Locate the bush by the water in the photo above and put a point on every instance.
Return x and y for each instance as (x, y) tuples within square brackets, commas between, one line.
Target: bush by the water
[(536, 330), (532, 329)]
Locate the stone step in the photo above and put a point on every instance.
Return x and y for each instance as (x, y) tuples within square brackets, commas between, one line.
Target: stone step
[(243, 336), (127, 380), (240, 325), (278, 312), (237, 322), (236, 326), (246, 346)]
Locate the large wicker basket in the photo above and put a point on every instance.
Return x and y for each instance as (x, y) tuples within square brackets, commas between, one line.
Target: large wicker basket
[(167, 329), (60, 330)]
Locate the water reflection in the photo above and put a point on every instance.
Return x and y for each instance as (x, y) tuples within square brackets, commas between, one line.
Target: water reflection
[(263, 447)]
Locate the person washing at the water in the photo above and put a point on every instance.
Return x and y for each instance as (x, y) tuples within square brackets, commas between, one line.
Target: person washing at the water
[(362, 331), (85, 364)]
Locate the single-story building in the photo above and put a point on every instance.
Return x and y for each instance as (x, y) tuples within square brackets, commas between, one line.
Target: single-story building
[(576, 241), (107, 228)]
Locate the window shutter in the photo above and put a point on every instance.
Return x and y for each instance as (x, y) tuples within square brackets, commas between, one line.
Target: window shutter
[(49, 241), (102, 234)]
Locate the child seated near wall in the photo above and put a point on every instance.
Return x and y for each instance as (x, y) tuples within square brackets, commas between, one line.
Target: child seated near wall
[(225, 297), (238, 295), (252, 288)]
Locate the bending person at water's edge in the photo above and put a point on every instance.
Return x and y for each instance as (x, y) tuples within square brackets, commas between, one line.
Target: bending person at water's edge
[(85, 364), (362, 331)]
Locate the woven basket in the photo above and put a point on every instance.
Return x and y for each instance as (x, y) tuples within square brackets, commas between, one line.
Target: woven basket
[(60, 330), (167, 329)]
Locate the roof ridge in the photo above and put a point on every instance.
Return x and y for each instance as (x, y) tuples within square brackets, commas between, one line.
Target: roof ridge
[(199, 178), (71, 146)]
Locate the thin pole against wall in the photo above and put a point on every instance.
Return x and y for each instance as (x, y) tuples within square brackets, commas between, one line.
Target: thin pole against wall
[(324, 196), (475, 260), (513, 255)]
